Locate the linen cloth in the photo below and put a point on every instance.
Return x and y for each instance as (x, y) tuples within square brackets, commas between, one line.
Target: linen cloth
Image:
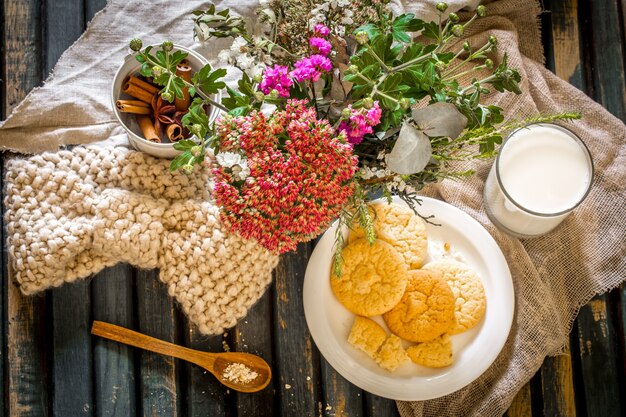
[(553, 275)]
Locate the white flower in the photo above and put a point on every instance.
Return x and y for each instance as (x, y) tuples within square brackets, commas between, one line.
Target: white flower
[(245, 170), (264, 3), (245, 61), (224, 56), (346, 21), (255, 70), (228, 159), (240, 45), (343, 3)]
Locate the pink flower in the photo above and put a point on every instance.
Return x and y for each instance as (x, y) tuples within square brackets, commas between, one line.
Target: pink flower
[(300, 176), (360, 123), (322, 46), (321, 30), (278, 79), (310, 68)]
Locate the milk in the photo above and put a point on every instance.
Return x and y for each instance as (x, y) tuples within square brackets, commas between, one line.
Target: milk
[(542, 173)]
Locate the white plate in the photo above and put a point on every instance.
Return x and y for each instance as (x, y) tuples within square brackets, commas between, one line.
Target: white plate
[(475, 350)]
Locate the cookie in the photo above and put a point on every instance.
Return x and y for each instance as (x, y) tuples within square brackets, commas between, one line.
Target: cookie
[(469, 294), (391, 354), (400, 227), (367, 335), (373, 278), (426, 309), (435, 354)]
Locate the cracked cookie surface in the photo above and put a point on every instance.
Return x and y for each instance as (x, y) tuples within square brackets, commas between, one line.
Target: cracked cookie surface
[(373, 278), (391, 354), (426, 309), (367, 335), (469, 294), (435, 354), (400, 227)]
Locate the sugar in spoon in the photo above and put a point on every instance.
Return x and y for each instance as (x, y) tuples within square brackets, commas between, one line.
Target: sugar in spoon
[(239, 371)]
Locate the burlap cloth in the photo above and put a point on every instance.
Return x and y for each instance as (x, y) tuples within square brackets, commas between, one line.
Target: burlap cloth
[(553, 275)]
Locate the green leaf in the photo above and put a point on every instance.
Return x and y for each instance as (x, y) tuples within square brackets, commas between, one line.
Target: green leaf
[(184, 145), (413, 51), (403, 24), (431, 30), (181, 160), (371, 29)]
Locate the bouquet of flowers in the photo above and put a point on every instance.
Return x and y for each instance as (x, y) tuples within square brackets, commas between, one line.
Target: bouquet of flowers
[(338, 101)]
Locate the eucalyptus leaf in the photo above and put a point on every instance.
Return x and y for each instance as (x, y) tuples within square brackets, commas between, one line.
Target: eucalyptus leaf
[(440, 119), (411, 153)]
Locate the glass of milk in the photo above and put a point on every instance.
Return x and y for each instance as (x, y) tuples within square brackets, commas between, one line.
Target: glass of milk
[(542, 172)]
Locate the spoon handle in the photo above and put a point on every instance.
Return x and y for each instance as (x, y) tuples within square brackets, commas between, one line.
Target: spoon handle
[(132, 338)]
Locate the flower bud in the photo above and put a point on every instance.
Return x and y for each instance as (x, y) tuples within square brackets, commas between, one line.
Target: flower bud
[(257, 78), (368, 102), (353, 69), (346, 113), (457, 30), (196, 130), (466, 47), (196, 151), (362, 37), (156, 71), (453, 17), (167, 96), (441, 6), (405, 103), (488, 63), (259, 96), (135, 44), (481, 11), (167, 46), (493, 40), (274, 94), (187, 169)]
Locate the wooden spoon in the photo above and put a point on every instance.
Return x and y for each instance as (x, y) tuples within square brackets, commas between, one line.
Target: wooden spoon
[(216, 363)]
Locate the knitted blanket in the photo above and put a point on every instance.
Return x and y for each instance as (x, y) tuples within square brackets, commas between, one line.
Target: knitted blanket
[(72, 213)]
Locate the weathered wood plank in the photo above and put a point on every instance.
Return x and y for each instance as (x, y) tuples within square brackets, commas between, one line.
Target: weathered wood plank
[(114, 363), (254, 334), (72, 370), (379, 406), (298, 368), (558, 387), (608, 56), (64, 23), (565, 42), (340, 397), (72, 376), (597, 345), (158, 382), (27, 344), (522, 403), (205, 395), (92, 7)]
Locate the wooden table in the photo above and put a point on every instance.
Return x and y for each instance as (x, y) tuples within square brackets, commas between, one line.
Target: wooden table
[(51, 366)]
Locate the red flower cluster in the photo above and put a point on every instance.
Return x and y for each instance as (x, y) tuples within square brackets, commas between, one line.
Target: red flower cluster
[(300, 176)]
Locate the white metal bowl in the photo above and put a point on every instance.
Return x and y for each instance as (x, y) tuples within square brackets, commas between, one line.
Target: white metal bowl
[(135, 137)]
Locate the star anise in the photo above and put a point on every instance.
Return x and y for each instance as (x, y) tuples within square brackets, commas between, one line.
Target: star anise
[(163, 112)]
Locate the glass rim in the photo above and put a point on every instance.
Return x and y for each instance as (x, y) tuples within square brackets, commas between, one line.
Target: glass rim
[(573, 136)]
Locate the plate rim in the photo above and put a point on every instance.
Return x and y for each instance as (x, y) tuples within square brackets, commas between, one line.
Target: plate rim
[(316, 330)]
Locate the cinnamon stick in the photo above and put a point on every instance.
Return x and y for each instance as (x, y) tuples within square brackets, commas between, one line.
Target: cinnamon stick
[(147, 127), (183, 70), (174, 132), (135, 91), (133, 106), (141, 84)]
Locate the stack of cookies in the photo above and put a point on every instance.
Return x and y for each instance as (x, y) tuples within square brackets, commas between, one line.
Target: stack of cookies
[(420, 303)]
